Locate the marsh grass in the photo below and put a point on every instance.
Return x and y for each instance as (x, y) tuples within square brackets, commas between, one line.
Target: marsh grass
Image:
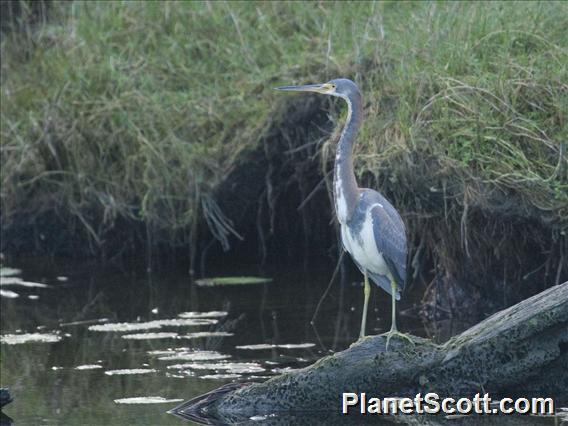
[(140, 110)]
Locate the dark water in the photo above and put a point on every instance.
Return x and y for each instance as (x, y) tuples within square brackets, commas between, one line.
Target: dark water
[(48, 389)]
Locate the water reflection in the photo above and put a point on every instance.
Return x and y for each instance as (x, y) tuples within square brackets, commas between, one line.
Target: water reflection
[(131, 335)]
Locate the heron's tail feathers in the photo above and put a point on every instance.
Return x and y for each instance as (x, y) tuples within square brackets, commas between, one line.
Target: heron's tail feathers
[(384, 282)]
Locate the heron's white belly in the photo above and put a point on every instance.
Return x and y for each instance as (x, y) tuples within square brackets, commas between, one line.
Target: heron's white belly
[(364, 249)]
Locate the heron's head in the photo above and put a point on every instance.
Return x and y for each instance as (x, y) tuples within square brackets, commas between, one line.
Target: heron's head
[(341, 87)]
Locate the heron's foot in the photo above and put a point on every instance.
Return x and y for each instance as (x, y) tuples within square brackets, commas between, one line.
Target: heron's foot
[(363, 337), (359, 340), (398, 334)]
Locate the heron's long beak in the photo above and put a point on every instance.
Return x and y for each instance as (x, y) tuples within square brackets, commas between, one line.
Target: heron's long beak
[(318, 88)]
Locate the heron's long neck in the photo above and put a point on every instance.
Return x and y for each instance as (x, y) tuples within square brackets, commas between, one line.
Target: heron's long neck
[(344, 182)]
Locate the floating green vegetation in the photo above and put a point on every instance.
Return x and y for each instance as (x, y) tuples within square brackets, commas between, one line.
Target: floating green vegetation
[(228, 281), (139, 111)]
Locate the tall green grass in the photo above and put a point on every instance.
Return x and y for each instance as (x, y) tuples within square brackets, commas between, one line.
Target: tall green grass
[(139, 110)]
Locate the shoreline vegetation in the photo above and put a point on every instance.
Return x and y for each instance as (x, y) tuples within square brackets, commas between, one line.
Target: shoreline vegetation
[(146, 124)]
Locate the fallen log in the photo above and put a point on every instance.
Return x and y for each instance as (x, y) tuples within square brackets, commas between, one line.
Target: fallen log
[(521, 351)]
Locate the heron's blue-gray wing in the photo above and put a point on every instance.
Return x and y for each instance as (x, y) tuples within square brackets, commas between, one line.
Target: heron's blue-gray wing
[(390, 237)]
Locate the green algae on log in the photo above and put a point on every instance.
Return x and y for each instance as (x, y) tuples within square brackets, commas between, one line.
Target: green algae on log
[(520, 351)]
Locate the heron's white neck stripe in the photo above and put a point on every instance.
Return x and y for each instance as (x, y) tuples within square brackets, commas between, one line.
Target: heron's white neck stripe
[(339, 151), (340, 198)]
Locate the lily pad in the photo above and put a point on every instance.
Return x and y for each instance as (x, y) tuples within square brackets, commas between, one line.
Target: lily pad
[(149, 325), (264, 346), (282, 370), (230, 367), (210, 314), (166, 351), (145, 400), (194, 356), (257, 347), (9, 294), (227, 281), (203, 334), (84, 322), (16, 339), (185, 374), (128, 371), (180, 322), (149, 336), (18, 281), (296, 345), (125, 326), (88, 367), (220, 376), (6, 272)]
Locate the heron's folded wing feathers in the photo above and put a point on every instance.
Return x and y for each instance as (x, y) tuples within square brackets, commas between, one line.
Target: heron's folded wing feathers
[(390, 237)]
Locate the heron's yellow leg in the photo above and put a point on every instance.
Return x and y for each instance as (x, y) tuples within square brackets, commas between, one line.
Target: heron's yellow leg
[(393, 319), (394, 331), (367, 291)]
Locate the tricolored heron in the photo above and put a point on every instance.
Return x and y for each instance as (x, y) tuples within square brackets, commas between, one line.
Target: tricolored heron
[(372, 231)]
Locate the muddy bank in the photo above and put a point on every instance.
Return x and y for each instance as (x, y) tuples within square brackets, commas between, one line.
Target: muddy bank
[(473, 249), (123, 157), (274, 207)]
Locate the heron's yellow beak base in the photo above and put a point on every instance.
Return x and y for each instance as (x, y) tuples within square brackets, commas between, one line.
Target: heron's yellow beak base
[(317, 88)]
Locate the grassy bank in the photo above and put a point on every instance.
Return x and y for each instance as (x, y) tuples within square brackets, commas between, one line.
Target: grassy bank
[(140, 110)]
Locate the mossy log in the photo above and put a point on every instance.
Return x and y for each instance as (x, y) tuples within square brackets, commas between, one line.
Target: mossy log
[(520, 351)]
